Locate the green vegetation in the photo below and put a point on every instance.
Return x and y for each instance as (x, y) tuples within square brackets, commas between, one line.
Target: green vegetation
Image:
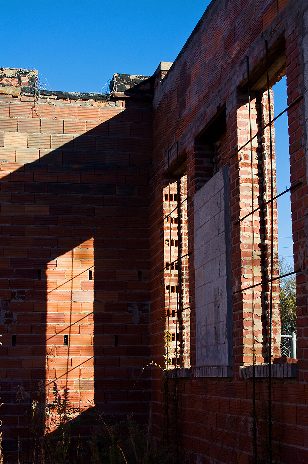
[(82, 437), (287, 300)]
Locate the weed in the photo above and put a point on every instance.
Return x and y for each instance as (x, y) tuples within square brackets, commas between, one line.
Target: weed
[(71, 435)]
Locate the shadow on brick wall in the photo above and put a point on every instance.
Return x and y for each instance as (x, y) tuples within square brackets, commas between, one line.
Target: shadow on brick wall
[(74, 277)]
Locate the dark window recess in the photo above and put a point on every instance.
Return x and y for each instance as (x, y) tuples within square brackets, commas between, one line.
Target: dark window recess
[(90, 274), (39, 274), (13, 340), (176, 270), (65, 340), (171, 197), (172, 288), (209, 148)]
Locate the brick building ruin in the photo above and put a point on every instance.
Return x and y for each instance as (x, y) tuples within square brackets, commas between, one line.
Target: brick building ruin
[(139, 264)]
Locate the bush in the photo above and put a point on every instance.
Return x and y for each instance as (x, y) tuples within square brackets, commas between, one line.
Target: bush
[(287, 300)]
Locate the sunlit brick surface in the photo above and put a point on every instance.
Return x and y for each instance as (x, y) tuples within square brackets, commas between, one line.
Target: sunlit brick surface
[(74, 276)]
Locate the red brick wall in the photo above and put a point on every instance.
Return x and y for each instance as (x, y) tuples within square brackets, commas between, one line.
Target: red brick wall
[(228, 420), (74, 199)]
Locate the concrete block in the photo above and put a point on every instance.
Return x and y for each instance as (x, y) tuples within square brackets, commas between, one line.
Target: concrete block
[(215, 247), (216, 354), (305, 48), (211, 291), (198, 259), (200, 295), (215, 268), (198, 218), (209, 294), (211, 188), (306, 23)]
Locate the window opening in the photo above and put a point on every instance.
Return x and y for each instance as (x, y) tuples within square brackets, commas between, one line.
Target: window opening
[(278, 294), (266, 186), (268, 217), (208, 148), (287, 300), (260, 227), (177, 311), (213, 301)]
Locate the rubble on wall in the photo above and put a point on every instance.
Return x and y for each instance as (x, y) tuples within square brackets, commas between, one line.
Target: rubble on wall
[(14, 81)]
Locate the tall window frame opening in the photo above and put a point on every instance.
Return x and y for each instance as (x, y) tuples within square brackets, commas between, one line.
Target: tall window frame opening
[(209, 145), (176, 272), (287, 282), (260, 158), (212, 239)]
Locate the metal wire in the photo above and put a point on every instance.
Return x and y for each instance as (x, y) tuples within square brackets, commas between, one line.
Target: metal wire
[(297, 100), (270, 276), (173, 262), (254, 408), (289, 189), (175, 302), (270, 419), (169, 214), (161, 165), (268, 281), (169, 293), (180, 271)]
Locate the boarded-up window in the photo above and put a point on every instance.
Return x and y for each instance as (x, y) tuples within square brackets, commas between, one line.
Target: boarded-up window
[(212, 273)]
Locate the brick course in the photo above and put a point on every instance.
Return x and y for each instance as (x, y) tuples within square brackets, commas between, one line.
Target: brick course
[(83, 282), (67, 177), (212, 419)]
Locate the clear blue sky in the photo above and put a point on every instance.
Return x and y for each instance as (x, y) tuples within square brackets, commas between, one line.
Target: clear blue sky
[(77, 45), (285, 241)]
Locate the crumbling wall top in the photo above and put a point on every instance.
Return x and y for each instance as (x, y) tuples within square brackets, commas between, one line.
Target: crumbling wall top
[(124, 82), (14, 81), (17, 81)]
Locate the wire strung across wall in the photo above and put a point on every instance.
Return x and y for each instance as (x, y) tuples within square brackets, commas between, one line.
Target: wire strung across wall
[(162, 164), (174, 272), (265, 211), (254, 407), (266, 281)]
